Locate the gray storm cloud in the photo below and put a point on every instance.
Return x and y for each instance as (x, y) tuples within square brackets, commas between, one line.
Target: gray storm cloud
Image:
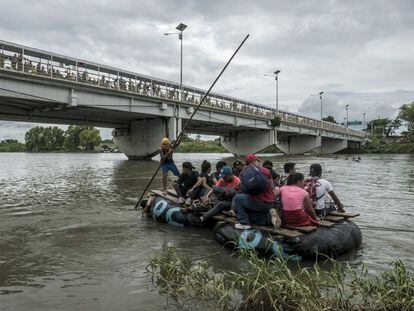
[(358, 52)]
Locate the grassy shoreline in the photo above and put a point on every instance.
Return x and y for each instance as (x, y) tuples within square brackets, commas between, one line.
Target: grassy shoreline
[(273, 284), (389, 149)]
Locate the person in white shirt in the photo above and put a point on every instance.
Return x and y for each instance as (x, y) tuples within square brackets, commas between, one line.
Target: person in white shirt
[(322, 189)]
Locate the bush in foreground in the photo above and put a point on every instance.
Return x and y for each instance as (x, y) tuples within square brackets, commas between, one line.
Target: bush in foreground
[(270, 284)]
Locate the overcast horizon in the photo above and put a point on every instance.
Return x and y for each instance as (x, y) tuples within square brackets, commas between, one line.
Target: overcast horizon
[(357, 53)]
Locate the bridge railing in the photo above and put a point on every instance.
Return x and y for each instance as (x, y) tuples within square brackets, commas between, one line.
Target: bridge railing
[(38, 62)]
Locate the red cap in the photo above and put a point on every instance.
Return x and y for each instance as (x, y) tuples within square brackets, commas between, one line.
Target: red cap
[(252, 157)]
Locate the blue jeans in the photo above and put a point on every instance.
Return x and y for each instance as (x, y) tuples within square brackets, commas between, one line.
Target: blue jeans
[(170, 167), (251, 212)]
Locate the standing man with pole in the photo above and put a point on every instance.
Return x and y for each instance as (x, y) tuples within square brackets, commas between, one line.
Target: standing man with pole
[(181, 28)]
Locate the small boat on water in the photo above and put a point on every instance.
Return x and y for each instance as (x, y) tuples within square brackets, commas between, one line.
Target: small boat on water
[(336, 236)]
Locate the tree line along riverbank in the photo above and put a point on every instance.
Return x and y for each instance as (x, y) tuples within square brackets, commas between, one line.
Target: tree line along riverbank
[(88, 139)]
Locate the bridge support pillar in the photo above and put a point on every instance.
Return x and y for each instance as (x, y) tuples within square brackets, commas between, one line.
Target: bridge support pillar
[(333, 145), (299, 144), (143, 137), (245, 142)]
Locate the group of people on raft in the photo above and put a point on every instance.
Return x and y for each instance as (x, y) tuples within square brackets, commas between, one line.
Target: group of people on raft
[(252, 191)]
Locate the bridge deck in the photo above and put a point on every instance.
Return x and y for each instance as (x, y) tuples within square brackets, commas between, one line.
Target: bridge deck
[(35, 62)]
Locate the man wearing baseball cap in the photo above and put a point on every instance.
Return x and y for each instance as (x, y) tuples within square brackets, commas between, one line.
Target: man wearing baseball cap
[(255, 208), (185, 186), (224, 190)]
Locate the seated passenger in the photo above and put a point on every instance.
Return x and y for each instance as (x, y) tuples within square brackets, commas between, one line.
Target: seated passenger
[(289, 168), (268, 164), (237, 167), (318, 188), (224, 190), (185, 185), (253, 207), (219, 166), (205, 181), (297, 205)]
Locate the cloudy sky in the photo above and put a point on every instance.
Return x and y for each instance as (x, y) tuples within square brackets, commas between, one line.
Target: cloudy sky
[(359, 53)]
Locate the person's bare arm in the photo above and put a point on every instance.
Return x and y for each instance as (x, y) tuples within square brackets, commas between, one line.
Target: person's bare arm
[(307, 203), (198, 183), (337, 201), (205, 184)]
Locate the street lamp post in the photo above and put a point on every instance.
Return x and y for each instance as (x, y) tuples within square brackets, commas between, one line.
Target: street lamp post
[(365, 124), (347, 114), (320, 96), (276, 74), (181, 28)]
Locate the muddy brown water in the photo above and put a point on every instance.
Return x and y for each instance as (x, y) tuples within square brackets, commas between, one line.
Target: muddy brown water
[(70, 239)]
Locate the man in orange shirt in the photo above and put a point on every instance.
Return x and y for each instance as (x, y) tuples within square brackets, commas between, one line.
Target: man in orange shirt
[(225, 189)]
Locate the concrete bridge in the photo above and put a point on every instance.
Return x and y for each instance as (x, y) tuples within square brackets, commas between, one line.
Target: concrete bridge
[(41, 86)]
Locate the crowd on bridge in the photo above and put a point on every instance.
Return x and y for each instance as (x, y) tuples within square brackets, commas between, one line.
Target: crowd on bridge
[(18, 62), (145, 86), (252, 191)]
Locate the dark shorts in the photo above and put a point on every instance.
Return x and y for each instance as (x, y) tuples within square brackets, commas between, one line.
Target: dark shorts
[(170, 167)]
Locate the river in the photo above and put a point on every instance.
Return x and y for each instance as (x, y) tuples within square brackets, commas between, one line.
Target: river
[(70, 239)]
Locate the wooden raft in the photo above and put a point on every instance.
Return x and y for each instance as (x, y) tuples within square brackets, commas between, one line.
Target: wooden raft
[(287, 232)]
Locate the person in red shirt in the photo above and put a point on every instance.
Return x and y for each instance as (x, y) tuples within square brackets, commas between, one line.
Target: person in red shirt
[(225, 189), (255, 209)]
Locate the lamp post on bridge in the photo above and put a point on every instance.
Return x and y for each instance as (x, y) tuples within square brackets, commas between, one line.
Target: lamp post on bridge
[(181, 27), (347, 114), (320, 97), (276, 75), (365, 124)]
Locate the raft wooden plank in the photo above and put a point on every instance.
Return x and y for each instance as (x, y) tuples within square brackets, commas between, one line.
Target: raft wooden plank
[(168, 197), (280, 231), (345, 215), (172, 192), (326, 224), (334, 218), (231, 220), (219, 217), (303, 229)]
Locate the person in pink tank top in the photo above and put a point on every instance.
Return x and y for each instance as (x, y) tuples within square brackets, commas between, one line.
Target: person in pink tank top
[(297, 206)]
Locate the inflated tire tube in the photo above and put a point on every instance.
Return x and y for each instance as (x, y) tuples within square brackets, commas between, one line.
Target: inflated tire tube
[(168, 212), (340, 239), (260, 241)]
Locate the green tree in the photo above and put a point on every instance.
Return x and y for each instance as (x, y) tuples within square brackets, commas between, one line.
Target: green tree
[(407, 114), (53, 138), (384, 127), (330, 119), (72, 137), (11, 145), (44, 139), (34, 139), (90, 138)]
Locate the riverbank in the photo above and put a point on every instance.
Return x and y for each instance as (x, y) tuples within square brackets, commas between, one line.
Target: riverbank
[(272, 284), (191, 146), (389, 149)]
